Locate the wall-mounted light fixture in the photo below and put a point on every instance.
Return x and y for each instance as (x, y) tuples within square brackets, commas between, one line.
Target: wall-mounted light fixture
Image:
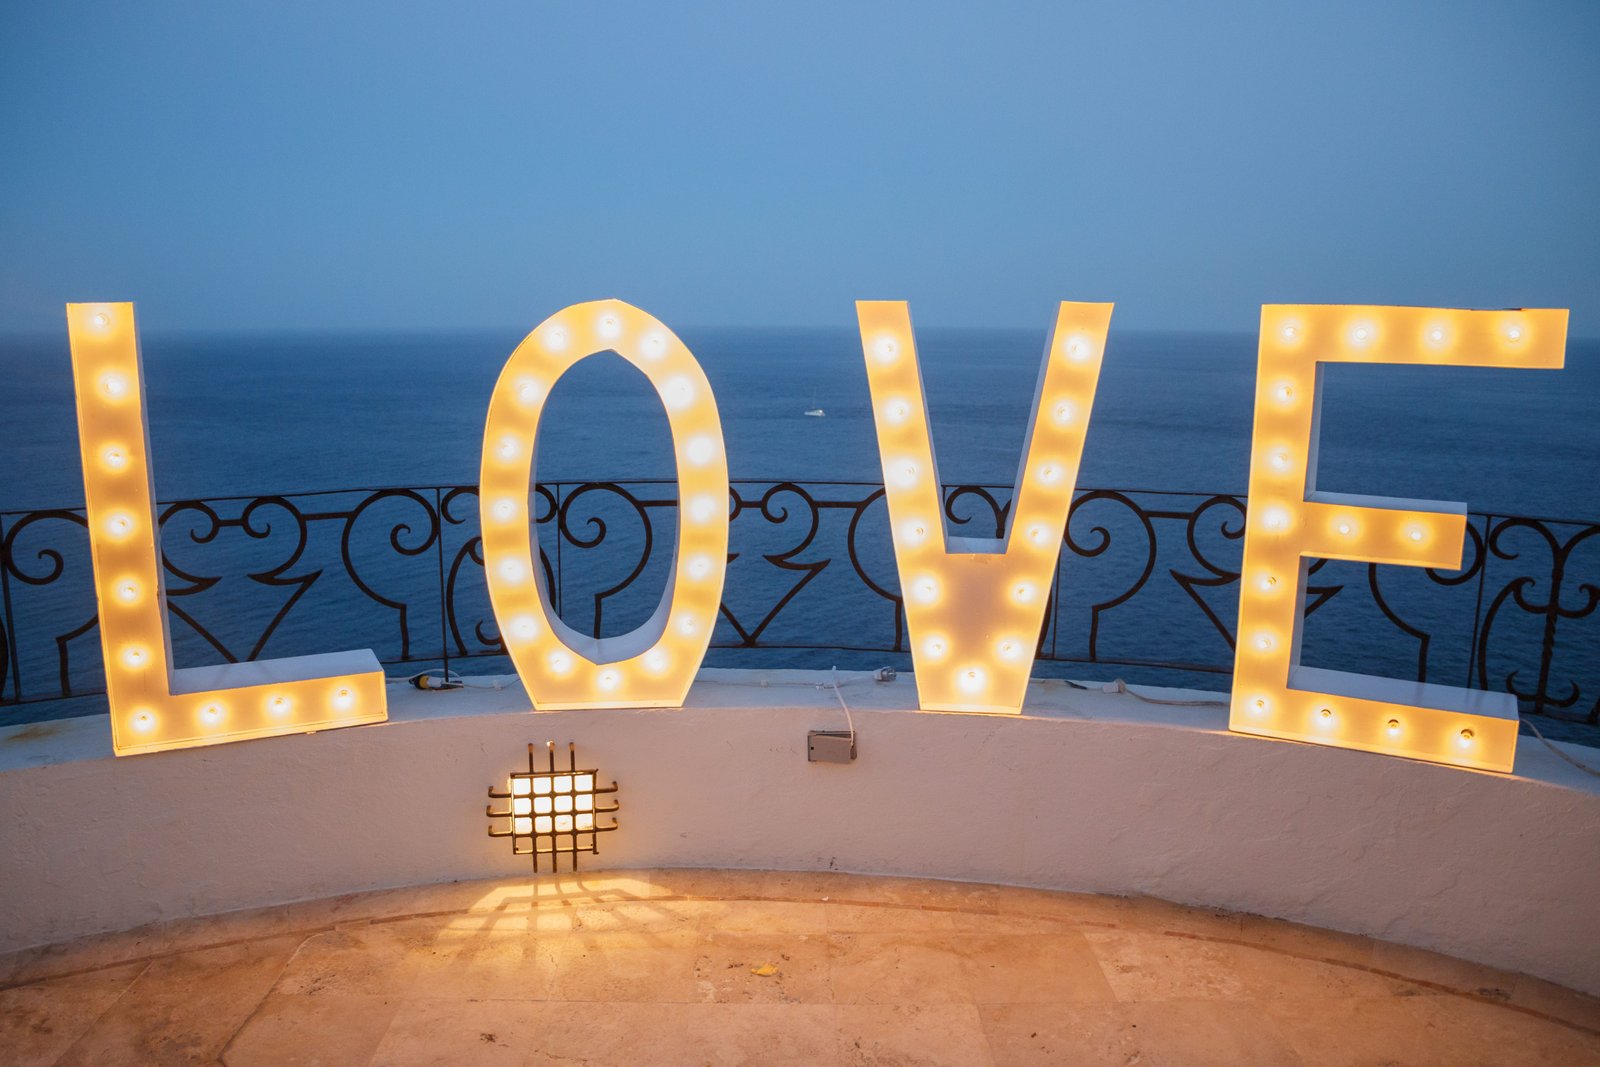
[(552, 812)]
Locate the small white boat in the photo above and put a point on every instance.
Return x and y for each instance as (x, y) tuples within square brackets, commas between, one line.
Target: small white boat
[(816, 413)]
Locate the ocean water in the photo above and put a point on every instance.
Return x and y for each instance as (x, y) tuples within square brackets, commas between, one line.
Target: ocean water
[(280, 413)]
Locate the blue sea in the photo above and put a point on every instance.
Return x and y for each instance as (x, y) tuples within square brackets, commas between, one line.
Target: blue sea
[(256, 414)]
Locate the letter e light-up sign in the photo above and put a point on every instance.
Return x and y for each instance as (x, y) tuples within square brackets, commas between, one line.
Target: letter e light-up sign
[(1290, 520), (653, 665), (155, 706), (975, 606)]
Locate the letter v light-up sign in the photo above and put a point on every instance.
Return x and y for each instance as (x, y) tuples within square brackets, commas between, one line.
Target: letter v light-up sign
[(653, 665), (153, 705), (1290, 520), (975, 606)]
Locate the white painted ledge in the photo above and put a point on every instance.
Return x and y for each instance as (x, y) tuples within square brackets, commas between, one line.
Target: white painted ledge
[(1087, 791)]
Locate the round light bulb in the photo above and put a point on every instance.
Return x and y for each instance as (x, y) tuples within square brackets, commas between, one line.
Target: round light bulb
[(1289, 331), (343, 699), (114, 458), (1393, 727), (529, 391), (896, 412), (1513, 332), (1325, 714), (1039, 534), (1062, 413), (135, 657), (1279, 459), (1265, 642), (700, 450), (1078, 348), (886, 349), (555, 338), (127, 591), (560, 662), (1283, 393), (1267, 583), (926, 590), (1259, 705), (509, 448), (1024, 592), (905, 474), (609, 326), (1009, 649), (609, 679), (1416, 533), (1362, 334), (1465, 738), (700, 567), (113, 385), (120, 524), (913, 532), (524, 627), (688, 626), (971, 680), (143, 721), (279, 705), (702, 509), (1275, 519), (211, 714), (100, 320), (678, 393), (935, 647), (654, 345), (1049, 474), (1436, 336), (1345, 529), (504, 509), (513, 570), (656, 660)]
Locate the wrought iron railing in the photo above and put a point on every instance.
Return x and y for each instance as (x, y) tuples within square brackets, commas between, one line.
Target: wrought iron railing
[(1145, 585)]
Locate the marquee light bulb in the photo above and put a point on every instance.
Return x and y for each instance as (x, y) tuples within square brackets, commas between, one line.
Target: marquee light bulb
[(114, 458), (935, 647), (1039, 534), (972, 680), (913, 532), (1437, 336), (1393, 728), (1024, 592), (343, 699), (127, 591), (886, 349), (100, 320), (113, 385), (905, 474), (1265, 642), (1513, 332), (280, 705), (656, 660), (700, 567), (1260, 705), (1010, 649), (1464, 739), (1279, 459), (654, 346), (1363, 334), (1283, 393), (688, 625), (1062, 414), (211, 714), (1289, 331), (509, 448), (530, 391), (700, 450), (1325, 716), (1267, 583), (609, 326), (560, 662), (926, 590), (1049, 474), (120, 524), (1345, 528), (1078, 348), (678, 393), (555, 338), (513, 569), (609, 679), (135, 657), (1416, 533), (144, 721), (702, 509), (505, 509), (524, 627), (1275, 519), (896, 412)]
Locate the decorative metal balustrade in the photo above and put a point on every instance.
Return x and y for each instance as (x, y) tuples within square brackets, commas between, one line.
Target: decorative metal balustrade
[(1145, 587)]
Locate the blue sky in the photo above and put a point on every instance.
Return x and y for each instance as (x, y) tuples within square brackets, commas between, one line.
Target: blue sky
[(419, 166)]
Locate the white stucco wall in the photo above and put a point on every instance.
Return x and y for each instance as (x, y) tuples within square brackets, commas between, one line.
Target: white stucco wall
[(1087, 791)]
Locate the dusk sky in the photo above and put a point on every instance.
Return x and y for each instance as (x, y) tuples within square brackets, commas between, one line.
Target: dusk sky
[(410, 166)]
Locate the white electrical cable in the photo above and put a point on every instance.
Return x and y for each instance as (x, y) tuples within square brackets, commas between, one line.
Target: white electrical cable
[(1584, 767), (834, 673), (1119, 686)]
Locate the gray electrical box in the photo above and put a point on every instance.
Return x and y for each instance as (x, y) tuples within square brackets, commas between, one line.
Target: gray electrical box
[(830, 746)]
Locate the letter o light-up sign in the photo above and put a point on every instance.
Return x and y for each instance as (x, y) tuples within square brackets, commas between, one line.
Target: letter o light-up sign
[(154, 706), (975, 606), (1289, 520), (653, 665)]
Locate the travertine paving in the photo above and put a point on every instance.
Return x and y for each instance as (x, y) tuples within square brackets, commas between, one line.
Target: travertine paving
[(724, 967)]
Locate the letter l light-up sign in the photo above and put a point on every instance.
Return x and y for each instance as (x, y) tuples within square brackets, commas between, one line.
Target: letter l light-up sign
[(1290, 520), (155, 706), (975, 606)]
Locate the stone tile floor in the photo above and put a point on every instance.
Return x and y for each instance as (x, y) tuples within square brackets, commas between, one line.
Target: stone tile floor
[(728, 967)]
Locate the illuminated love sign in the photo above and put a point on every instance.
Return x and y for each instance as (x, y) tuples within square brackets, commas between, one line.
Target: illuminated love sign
[(974, 606)]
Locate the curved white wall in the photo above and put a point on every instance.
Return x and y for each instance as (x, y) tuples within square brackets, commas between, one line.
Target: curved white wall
[(1088, 791)]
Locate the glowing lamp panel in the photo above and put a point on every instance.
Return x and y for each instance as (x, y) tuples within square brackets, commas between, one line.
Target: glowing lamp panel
[(1290, 522), (553, 811), (654, 665), (975, 606), (153, 705)]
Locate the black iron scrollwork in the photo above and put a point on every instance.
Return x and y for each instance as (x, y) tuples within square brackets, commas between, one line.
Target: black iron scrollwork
[(1146, 579)]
